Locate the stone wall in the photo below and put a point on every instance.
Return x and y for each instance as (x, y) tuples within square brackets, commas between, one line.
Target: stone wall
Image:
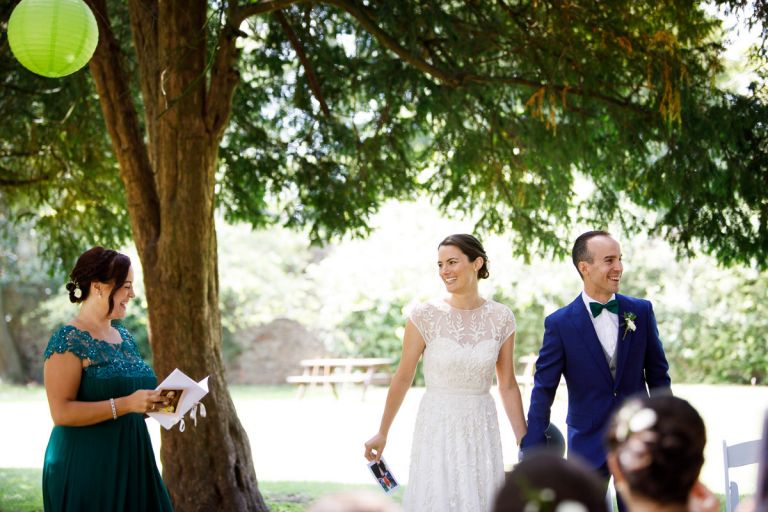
[(272, 351)]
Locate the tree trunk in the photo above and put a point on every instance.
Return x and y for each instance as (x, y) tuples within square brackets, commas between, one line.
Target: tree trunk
[(11, 367), (170, 194)]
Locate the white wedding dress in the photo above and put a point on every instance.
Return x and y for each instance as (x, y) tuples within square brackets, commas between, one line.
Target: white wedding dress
[(456, 459)]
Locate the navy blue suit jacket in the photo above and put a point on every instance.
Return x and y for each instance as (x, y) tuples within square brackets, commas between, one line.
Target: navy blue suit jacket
[(571, 348)]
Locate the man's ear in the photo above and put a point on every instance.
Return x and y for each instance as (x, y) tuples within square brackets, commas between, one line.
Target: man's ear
[(582, 266)]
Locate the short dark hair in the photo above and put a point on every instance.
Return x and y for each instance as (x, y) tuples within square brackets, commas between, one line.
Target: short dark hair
[(471, 247), (547, 479), (580, 252), (98, 264), (661, 457)]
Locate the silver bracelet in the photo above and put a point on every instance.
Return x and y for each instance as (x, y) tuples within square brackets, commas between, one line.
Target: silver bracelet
[(114, 410)]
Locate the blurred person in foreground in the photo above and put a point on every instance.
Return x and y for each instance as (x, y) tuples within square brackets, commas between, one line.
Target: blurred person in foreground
[(362, 501), (655, 453), (545, 482)]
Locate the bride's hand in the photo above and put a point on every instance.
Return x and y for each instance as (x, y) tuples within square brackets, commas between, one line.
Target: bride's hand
[(374, 446)]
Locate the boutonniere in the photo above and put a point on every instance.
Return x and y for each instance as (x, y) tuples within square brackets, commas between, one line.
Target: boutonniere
[(629, 323)]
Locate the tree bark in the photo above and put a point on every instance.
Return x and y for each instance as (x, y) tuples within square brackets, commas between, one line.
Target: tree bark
[(169, 181)]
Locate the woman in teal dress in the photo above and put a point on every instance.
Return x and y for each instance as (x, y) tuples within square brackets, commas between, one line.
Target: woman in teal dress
[(99, 456)]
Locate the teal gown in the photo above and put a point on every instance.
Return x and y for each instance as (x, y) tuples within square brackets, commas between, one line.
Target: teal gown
[(109, 466)]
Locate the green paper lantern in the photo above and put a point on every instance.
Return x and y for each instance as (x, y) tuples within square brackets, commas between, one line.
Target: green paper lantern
[(53, 38)]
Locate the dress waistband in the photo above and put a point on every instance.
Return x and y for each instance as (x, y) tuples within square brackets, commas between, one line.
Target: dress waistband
[(437, 390)]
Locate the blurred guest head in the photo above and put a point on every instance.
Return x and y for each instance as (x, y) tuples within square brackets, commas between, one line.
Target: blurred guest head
[(545, 482), (362, 501), (656, 450)]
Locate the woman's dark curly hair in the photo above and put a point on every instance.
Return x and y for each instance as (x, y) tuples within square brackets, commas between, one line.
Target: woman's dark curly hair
[(659, 446), (97, 265)]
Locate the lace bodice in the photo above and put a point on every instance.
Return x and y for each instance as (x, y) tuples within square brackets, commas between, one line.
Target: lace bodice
[(462, 346), (107, 360)]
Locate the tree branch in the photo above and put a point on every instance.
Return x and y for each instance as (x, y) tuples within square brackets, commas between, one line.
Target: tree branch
[(224, 75), (314, 84), (122, 122), (143, 15), (263, 7), (458, 78), (391, 43), (7, 182)]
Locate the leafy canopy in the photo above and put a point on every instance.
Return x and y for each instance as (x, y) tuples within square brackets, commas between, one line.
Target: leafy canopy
[(491, 108)]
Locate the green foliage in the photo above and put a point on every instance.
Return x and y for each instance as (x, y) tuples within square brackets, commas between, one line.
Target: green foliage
[(491, 108), (376, 332), (496, 109), (20, 490), (712, 320), (56, 164)]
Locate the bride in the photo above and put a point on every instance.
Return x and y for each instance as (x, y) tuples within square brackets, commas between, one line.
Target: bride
[(456, 459)]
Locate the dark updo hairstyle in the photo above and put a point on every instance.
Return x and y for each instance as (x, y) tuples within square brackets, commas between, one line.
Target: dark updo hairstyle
[(659, 447), (97, 265), (473, 249), (544, 480), (580, 252)]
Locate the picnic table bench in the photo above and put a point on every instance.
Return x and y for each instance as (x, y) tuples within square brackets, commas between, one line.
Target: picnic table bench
[(331, 371)]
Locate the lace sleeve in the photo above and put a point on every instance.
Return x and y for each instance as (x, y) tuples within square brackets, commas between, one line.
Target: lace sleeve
[(508, 325), (419, 317), (67, 339)]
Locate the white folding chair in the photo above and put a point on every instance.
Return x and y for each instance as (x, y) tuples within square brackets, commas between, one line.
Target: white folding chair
[(734, 456)]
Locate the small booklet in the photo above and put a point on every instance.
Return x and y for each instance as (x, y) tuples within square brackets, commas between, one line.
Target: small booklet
[(383, 475), (182, 394)]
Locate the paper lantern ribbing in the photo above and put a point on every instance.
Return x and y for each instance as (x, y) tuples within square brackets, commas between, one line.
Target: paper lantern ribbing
[(52, 38)]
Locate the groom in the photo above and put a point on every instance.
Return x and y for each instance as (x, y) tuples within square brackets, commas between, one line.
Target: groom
[(606, 345)]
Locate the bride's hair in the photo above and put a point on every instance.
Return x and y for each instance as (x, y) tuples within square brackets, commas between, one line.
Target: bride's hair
[(470, 246), (658, 443)]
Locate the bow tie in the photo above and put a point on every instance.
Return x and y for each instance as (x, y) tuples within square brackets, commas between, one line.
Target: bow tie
[(596, 308)]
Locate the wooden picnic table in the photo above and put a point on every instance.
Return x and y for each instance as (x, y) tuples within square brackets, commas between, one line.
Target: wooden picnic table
[(331, 371)]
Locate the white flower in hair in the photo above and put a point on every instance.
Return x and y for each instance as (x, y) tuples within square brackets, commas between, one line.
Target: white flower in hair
[(642, 420), (570, 506), (77, 292)]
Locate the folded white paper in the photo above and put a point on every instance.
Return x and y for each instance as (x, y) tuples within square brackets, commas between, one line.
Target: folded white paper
[(190, 394)]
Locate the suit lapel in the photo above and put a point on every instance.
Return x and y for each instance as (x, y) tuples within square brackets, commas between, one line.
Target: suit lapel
[(622, 342), (587, 336)]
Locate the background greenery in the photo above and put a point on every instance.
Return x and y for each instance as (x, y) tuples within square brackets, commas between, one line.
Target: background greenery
[(355, 294)]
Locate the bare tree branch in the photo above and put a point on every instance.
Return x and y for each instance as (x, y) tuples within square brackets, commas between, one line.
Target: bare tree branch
[(263, 7), (457, 78), (10, 182), (122, 121), (224, 74), (314, 84), (143, 15)]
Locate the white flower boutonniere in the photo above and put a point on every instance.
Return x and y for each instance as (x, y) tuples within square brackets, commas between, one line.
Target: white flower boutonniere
[(629, 323)]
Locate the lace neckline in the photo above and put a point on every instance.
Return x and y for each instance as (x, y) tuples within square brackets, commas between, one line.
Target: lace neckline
[(478, 308), (91, 338)]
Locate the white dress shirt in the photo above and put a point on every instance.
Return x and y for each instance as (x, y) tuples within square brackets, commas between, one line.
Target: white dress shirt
[(606, 324)]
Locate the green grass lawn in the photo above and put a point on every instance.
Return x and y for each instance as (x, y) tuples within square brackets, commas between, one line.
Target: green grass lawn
[(20, 491)]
